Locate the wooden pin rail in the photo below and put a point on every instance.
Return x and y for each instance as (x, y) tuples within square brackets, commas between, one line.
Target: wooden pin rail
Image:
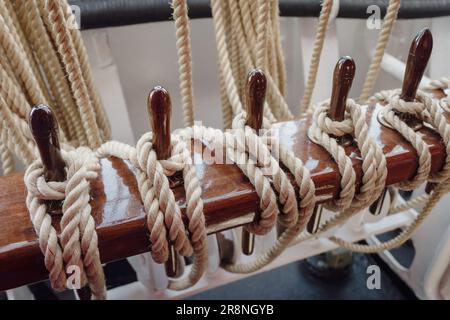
[(229, 198)]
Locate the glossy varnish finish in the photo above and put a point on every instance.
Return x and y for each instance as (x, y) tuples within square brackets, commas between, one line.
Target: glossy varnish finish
[(227, 194)]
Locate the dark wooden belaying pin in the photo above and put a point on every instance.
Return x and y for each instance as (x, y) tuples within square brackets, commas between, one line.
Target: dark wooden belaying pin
[(255, 96), (419, 54), (44, 129), (159, 108), (343, 75)]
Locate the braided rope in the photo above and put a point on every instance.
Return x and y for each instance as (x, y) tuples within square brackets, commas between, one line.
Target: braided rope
[(20, 64), (316, 54), (12, 134), (442, 83), (79, 243), (276, 35), (56, 24), (247, 35), (100, 112), (374, 162), (262, 32), (425, 109), (374, 68), (163, 213), (180, 15), (35, 30), (7, 159), (8, 13)]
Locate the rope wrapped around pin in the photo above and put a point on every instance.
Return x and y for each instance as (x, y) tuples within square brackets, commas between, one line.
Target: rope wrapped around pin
[(442, 84), (158, 156), (425, 109), (78, 244), (63, 176), (333, 122), (407, 110), (248, 141)]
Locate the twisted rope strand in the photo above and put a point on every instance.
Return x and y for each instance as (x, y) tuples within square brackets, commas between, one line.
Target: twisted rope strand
[(180, 15), (374, 68)]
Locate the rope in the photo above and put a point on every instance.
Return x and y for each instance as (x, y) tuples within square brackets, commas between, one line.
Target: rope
[(56, 23), (78, 240), (163, 213), (100, 113), (373, 165), (180, 15), (33, 24), (316, 54), (374, 68), (425, 109), (7, 159), (47, 63)]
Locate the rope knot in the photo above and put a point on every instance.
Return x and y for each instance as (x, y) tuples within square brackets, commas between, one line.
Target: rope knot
[(326, 124), (415, 108), (77, 245)]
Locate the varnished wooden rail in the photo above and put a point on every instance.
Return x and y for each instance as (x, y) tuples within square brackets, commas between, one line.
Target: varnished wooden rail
[(229, 197)]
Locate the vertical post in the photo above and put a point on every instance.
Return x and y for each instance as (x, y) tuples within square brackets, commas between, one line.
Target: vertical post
[(255, 95), (343, 75), (159, 108), (44, 128), (419, 54)]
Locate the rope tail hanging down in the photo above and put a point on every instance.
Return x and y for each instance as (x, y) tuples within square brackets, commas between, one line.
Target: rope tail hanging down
[(324, 17), (383, 39)]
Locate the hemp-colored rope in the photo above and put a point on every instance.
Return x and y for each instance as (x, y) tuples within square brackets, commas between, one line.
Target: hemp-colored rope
[(316, 54), (20, 64), (247, 46), (442, 83), (215, 138), (180, 15), (6, 158), (306, 205), (78, 239), (247, 35), (413, 203), (223, 57), (42, 222), (61, 36), (8, 13), (276, 34), (374, 162), (100, 113), (262, 27), (12, 134), (255, 147), (35, 30), (163, 213), (386, 31), (425, 109)]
